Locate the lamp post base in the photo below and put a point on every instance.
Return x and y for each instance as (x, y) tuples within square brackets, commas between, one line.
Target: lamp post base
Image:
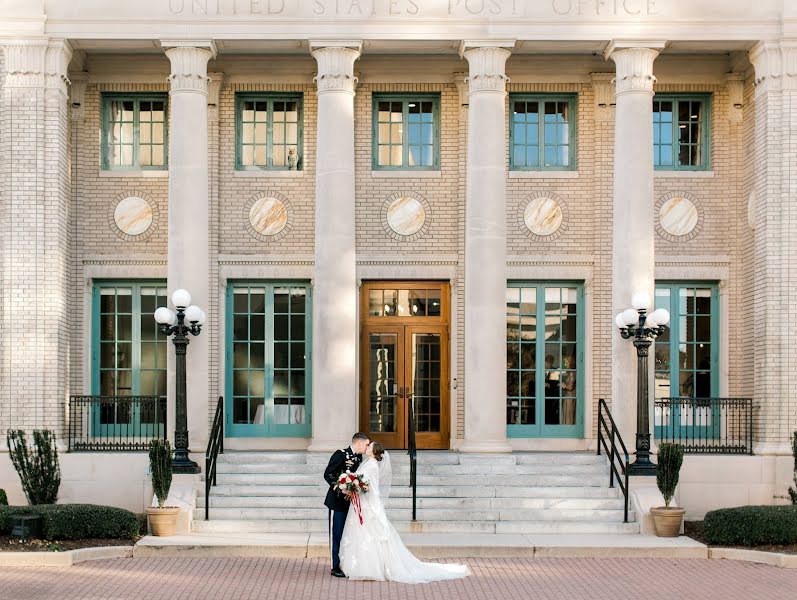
[(182, 464), (639, 468)]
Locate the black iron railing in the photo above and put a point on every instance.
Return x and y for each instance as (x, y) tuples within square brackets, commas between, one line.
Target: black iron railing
[(215, 447), (611, 441), (115, 423), (705, 425), (412, 450)]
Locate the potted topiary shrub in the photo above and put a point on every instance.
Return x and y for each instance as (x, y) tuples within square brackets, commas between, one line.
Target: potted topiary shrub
[(162, 519), (667, 519)]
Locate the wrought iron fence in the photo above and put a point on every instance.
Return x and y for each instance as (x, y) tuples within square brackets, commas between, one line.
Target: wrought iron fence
[(115, 423), (706, 425)]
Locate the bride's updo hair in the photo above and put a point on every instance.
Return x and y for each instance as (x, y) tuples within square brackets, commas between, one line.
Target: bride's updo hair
[(378, 449)]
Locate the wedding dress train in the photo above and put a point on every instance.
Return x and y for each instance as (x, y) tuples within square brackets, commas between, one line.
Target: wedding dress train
[(373, 550)]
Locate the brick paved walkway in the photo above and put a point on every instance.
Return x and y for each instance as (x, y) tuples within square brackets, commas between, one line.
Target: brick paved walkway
[(284, 579)]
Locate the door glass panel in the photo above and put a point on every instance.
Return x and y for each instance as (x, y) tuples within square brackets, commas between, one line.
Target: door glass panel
[(383, 385), (425, 384)]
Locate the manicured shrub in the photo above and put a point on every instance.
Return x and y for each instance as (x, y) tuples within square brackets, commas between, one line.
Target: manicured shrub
[(793, 490), (38, 469), (76, 521), (751, 526), (671, 457), (3, 498), (160, 465)]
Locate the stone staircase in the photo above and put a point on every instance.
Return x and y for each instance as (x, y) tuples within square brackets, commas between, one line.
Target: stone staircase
[(283, 492)]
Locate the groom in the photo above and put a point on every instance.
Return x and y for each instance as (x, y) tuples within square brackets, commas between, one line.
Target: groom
[(337, 503)]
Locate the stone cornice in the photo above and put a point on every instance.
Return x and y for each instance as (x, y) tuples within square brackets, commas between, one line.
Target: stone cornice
[(189, 67), (775, 64), (336, 67), (487, 68), (634, 68), (37, 63)]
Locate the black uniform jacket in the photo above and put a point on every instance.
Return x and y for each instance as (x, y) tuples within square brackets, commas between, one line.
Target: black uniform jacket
[(335, 500)]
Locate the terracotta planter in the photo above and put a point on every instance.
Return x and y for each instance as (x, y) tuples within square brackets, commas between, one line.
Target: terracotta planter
[(163, 521), (668, 520)]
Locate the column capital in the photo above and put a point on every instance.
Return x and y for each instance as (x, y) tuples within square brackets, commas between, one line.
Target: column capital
[(634, 65), (487, 63), (775, 64), (77, 93), (37, 62), (189, 63), (335, 65)]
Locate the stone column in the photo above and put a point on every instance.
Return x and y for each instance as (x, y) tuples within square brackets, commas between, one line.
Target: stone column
[(485, 250), (632, 231), (35, 213), (774, 217), (335, 283), (188, 229)]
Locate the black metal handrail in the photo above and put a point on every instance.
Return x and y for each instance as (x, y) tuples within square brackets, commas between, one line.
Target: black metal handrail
[(412, 450), (618, 468), (215, 447), (115, 423), (705, 425)]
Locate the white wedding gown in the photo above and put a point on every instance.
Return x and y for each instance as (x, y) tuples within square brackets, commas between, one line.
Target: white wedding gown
[(374, 550)]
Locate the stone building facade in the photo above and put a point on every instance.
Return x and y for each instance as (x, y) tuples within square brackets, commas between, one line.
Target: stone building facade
[(416, 181)]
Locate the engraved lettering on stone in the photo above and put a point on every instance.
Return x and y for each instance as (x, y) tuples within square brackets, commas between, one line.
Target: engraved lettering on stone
[(133, 215), (543, 216), (678, 216), (406, 216), (268, 216)]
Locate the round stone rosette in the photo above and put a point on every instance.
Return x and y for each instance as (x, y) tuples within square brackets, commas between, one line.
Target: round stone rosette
[(543, 216), (133, 216), (268, 216), (406, 216), (679, 216)]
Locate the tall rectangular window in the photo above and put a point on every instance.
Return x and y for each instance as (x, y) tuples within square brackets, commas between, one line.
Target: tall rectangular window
[(406, 131), (128, 348), (544, 357), (269, 131), (681, 132), (268, 359), (134, 131), (542, 132)]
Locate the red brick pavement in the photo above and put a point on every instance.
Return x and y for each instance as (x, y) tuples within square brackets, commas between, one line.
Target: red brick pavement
[(535, 579)]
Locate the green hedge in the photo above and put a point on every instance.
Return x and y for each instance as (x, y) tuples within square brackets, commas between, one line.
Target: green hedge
[(76, 521), (751, 526), (3, 498)]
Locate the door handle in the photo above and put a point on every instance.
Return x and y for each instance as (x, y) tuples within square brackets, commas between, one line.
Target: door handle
[(401, 392), (407, 393)]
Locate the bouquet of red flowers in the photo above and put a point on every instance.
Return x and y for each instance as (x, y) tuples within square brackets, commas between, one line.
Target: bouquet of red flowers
[(353, 484)]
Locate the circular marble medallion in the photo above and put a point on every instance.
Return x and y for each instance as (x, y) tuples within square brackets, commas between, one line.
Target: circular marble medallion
[(268, 216), (133, 216), (543, 216), (406, 215), (678, 216)]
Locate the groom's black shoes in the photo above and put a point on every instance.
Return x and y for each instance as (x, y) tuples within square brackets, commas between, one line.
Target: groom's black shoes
[(338, 573)]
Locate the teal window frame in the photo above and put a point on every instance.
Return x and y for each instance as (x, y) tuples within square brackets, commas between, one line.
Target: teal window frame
[(678, 321), (516, 135), (134, 425), (405, 99), (137, 99), (540, 429), (270, 98), (674, 143), (268, 428)]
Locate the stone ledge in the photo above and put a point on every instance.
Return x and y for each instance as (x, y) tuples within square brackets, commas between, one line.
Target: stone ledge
[(63, 559), (776, 559)]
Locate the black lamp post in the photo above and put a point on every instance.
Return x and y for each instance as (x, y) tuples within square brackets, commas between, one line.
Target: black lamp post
[(188, 319), (636, 324)]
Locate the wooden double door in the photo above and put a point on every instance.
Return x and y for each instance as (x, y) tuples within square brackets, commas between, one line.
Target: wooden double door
[(405, 355)]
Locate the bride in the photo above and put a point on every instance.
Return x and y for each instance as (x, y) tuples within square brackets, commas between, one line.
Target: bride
[(373, 550)]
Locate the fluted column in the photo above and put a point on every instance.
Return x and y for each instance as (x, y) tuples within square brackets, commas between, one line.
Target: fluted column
[(335, 282), (485, 250), (34, 234), (632, 231), (189, 241)]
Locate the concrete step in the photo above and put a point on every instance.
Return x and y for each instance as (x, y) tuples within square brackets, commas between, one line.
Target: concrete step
[(402, 479), (423, 469), (280, 502), (461, 527), (319, 490)]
